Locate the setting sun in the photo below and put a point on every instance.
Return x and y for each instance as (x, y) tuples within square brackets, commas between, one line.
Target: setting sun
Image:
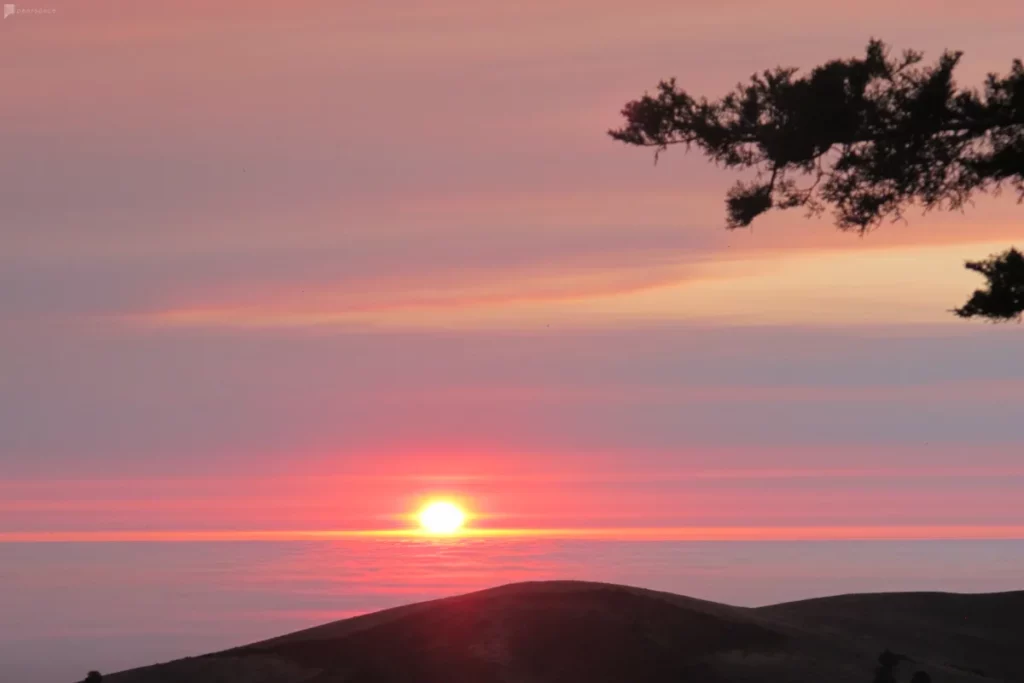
[(442, 517)]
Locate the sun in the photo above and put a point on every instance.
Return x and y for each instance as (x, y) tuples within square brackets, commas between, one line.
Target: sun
[(442, 517)]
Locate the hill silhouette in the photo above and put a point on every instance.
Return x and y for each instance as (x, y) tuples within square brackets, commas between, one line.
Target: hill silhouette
[(603, 633)]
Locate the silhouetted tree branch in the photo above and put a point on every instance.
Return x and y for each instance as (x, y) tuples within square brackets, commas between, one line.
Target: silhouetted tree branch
[(865, 137), (1004, 296)]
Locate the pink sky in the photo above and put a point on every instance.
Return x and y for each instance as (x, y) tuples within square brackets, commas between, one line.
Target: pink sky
[(255, 253)]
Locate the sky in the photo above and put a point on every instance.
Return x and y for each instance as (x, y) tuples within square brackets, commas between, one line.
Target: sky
[(300, 266), (281, 272)]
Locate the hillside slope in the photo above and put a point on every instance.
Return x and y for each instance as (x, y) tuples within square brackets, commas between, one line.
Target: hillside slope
[(601, 633), (977, 633)]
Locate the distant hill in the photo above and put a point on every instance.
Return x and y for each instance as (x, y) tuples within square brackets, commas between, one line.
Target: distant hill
[(576, 632)]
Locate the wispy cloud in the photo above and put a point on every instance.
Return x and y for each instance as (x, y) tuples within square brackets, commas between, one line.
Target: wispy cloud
[(899, 285)]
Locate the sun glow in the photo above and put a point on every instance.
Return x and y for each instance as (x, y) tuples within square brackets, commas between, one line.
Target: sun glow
[(442, 517)]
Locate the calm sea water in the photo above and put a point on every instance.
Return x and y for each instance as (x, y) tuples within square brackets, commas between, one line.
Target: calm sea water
[(66, 608)]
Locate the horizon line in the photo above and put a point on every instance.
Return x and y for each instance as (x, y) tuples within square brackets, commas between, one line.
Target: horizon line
[(744, 533)]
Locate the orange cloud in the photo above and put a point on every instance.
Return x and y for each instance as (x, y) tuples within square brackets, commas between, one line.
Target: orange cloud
[(898, 285)]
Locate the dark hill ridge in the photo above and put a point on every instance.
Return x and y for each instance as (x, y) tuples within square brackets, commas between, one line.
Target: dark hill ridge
[(981, 633), (576, 632)]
